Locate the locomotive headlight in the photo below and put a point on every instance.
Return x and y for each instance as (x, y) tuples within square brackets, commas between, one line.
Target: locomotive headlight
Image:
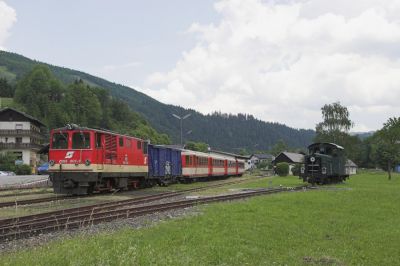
[(323, 170), (87, 162), (312, 159), (51, 162), (302, 169)]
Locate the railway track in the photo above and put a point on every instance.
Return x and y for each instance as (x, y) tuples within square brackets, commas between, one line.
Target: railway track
[(32, 225), (56, 198), (109, 205)]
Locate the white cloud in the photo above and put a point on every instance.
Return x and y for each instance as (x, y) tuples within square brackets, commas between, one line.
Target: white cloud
[(282, 62), (7, 19)]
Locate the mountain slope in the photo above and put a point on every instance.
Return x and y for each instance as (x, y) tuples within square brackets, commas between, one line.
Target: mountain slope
[(227, 132)]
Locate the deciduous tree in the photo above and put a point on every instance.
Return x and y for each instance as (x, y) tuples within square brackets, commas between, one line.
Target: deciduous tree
[(335, 125), (387, 145)]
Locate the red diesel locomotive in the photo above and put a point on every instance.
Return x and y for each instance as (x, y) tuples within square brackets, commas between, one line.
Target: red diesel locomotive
[(83, 160)]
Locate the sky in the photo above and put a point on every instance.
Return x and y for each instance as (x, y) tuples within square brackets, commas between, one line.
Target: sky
[(279, 60)]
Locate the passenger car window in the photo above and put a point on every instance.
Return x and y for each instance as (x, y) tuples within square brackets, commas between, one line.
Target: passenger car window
[(98, 140)]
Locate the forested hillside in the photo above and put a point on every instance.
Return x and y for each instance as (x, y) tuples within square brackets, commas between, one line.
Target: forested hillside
[(221, 131)]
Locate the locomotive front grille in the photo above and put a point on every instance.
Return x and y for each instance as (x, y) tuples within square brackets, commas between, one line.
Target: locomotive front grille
[(313, 168), (313, 165)]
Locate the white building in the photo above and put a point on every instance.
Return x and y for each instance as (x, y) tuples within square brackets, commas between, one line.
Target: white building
[(21, 134), (351, 167), (260, 158)]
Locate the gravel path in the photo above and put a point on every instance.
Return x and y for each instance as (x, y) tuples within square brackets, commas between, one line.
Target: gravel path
[(21, 179)]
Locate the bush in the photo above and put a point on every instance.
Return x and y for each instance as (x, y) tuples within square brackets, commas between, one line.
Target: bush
[(23, 169), (282, 169), (263, 165), (296, 169), (7, 162)]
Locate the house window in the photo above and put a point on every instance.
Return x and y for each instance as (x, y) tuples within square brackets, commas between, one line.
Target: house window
[(18, 126), (18, 140)]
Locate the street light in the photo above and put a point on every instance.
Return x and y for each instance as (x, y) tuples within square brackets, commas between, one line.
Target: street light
[(181, 119)]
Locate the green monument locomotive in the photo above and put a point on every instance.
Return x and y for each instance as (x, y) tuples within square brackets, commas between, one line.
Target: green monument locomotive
[(324, 164)]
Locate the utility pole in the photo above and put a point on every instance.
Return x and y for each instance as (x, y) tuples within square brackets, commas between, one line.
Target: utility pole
[(181, 122)]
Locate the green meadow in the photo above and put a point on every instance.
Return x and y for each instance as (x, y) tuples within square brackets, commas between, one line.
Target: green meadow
[(356, 223)]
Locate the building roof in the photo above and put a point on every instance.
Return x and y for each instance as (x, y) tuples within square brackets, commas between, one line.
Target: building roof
[(294, 157), (263, 156), (350, 163), (28, 117)]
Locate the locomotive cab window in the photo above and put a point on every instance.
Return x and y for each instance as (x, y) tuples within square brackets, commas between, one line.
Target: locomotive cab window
[(121, 141), (98, 140), (80, 140), (139, 145), (128, 143), (145, 145), (60, 141)]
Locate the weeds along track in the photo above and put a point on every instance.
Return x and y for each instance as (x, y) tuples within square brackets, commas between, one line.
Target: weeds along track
[(16, 193), (27, 226), (33, 201)]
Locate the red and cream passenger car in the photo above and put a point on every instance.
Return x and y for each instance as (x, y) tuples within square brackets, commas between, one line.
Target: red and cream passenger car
[(198, 164)]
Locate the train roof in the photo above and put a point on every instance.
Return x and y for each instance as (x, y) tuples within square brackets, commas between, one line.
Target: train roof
[(212, 155), (238, 156), (102, 130), (326, 144)]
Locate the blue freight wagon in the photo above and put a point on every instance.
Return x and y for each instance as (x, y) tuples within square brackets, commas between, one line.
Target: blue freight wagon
[(164, 163)]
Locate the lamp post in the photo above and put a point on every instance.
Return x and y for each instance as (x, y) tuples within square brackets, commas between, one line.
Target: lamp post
[(181, 120)]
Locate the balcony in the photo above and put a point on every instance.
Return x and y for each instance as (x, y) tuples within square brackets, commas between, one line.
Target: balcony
[(21, 133), (20, 146)]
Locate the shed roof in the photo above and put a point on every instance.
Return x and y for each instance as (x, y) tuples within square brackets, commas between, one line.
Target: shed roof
[(350, 163), (294, 157)]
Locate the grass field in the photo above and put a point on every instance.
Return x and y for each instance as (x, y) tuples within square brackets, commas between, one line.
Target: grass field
[(356, 223)]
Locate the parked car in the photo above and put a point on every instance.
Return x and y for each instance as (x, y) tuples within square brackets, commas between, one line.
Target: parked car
[(43, 169), (6, 173)]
